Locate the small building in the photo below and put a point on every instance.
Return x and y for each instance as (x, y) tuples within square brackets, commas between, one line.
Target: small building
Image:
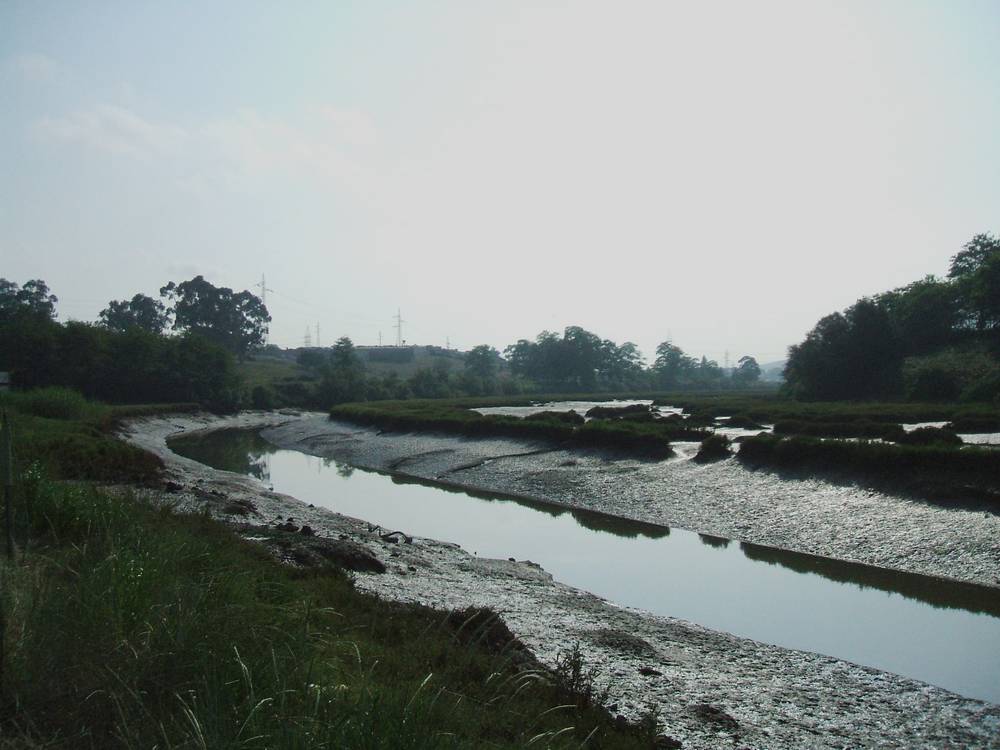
[(4, 381)]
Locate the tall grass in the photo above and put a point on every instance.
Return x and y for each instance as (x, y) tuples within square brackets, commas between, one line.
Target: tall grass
[(937, 471), (131, 627), (646, 438)]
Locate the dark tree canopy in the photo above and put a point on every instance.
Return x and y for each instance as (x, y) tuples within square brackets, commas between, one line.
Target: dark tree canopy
[(236, 321), (850, 355), (482, 361), (576, 361), (141, 312), (33, 300), (747, 371)]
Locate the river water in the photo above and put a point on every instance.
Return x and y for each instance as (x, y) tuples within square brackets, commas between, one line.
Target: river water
[(942, 632)]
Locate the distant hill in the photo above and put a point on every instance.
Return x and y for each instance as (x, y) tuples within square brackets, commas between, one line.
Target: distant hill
[(772, 371)]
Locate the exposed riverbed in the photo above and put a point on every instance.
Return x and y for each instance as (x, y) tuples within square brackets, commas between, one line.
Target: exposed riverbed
[(776, 697), (903, 623)]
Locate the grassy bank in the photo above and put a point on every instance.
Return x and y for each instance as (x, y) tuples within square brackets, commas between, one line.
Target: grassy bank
[(454, 417), (127, 625), (772, 408), (130, 626), (72, 438), (940, 472)]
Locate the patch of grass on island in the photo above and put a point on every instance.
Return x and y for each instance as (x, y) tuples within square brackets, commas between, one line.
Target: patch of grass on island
[(939, 470), (646, 438)]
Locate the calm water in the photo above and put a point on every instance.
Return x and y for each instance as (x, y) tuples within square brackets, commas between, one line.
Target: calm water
[(944, 633)]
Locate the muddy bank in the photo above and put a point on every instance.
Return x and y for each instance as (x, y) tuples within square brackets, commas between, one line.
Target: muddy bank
[(722, 499), (710, 689)]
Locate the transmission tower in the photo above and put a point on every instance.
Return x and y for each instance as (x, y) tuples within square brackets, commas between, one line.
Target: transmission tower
[(307, 339), (399, 327), (317, 335), (263, 299)]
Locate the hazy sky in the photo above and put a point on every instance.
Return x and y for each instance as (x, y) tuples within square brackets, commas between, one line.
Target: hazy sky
[(720, 173)]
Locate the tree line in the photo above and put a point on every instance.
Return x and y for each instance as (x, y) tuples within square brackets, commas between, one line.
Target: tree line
[(127, 357), (184, 347), (933, 339), (577, 361)]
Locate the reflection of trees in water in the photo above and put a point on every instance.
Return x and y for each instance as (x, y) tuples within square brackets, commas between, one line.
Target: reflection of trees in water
[(714, 541), (589, 519), (938, 592), (240, 451)]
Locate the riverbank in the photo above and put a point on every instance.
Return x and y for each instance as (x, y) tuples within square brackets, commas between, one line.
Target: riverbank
[(710, 688), (722, 499)]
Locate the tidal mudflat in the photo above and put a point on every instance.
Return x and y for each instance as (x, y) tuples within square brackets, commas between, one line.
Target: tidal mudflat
[(709, 687)]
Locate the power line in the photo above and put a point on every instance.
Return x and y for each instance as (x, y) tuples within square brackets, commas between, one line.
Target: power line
[(263, 300), (399, 327)]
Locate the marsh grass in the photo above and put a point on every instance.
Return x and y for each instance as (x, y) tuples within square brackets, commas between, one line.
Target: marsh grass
[(645, 438), (130, 626), (938, 471), (72, 438)]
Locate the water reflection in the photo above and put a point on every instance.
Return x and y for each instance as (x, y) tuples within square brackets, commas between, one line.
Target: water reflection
[(943, 632), (938, 592)]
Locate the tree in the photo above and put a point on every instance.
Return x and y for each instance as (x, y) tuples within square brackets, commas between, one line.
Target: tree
[(925, 314), (482, 362), (747, 371), (139, 312), (344, 356), (32, 300), (671, 367), (235, 321), (855, 354), (976, 273)]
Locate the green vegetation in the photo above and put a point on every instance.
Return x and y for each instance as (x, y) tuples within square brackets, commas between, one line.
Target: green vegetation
[(859, 428), (772, 408), (938, 471), (454, 417), (933, 340), (714, 448), (128, 625), (71, 438)]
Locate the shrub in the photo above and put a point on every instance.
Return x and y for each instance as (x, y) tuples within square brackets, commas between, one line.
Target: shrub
[(567, 417), (714, 448), (262, 397), (855, 429), (929, 436), (52, 403)]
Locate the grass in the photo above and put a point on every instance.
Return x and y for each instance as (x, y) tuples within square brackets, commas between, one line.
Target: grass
[(72, 438), (938, 471), (131, 626), (860, 428), (772, 408), (126, 625), (454, 416)]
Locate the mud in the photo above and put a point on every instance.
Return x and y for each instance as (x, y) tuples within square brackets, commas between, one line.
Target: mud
[(709, 689)]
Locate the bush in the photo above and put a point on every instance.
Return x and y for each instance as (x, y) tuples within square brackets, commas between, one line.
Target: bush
[(262, 397), (566, 417), (971, 424), (856, 429), (714, 448), (929, 436), (938, 471), (52, 403)]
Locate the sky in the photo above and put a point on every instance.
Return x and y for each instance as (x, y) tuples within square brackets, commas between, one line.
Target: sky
[(719, 174)]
